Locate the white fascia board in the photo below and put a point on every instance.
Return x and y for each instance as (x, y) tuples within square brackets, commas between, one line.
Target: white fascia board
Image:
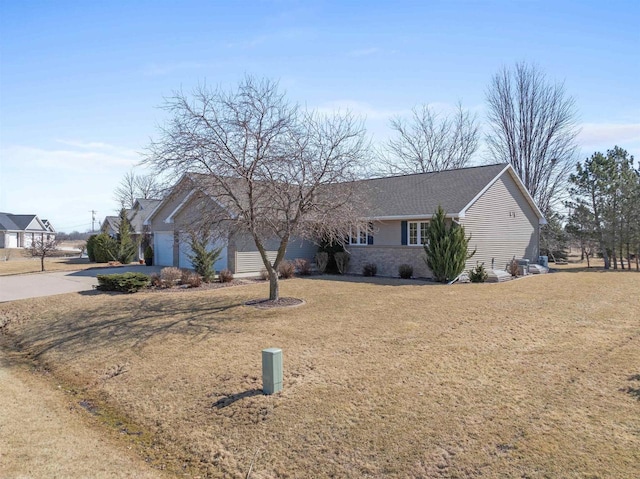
[(179, 208), (411, 217)]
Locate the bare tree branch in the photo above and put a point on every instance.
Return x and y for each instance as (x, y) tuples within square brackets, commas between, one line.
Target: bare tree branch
[(427, 142), (135, 186), (534, 128)]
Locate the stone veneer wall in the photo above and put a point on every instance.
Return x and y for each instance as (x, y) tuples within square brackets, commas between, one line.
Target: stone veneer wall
[(388, 258)]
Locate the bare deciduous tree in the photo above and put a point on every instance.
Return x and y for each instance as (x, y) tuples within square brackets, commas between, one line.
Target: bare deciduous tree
[(427, 142), (41, 248), (135, 186), (533, 127), (278, 172)]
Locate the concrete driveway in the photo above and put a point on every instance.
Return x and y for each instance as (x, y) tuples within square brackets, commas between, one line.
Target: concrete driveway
[(33, 285)]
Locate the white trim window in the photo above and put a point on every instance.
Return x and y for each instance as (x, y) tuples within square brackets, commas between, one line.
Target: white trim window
[(417, 232), (359, 237)]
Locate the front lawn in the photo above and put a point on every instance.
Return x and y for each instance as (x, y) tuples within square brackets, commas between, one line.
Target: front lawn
[(529, 378)]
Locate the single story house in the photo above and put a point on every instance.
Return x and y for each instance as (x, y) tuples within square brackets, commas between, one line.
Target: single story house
[(137, 215), (19, 231), (491, 202)]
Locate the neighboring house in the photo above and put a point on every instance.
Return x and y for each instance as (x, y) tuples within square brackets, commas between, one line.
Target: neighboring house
[(137, 215), (491, 202), (19, 231)]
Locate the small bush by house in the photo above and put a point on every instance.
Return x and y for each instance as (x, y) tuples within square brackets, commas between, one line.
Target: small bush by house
[(125, 282), (170, 275), (342, 261), (478, 274), (286, 269), (369, 269), (322, 260), (405, 271), (225, 276), (303, 266)]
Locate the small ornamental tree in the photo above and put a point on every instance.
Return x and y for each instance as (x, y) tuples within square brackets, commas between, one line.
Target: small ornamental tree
[(447, 248), (91, 244), (127, 248), (202, 256), (41, 248)]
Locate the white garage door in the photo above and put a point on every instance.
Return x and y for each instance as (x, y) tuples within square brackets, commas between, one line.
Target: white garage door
[(185, 251), (163, 249), (12, 240)]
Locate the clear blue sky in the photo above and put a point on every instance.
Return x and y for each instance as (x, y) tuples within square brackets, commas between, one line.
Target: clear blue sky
[(80, 82)]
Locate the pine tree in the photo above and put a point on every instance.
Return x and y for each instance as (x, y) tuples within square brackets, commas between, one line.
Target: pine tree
[(447, 248), (202, 257), (126, 246)]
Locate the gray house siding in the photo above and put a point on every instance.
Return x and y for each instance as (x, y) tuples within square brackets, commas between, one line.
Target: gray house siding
[(244, 256), (502, 225)]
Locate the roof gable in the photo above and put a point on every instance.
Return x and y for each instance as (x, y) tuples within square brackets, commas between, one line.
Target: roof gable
[(419, 195)]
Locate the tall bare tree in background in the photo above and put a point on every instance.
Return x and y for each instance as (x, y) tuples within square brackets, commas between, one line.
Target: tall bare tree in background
[(429, 142), (134, 186), (278, 172), (533, 127)]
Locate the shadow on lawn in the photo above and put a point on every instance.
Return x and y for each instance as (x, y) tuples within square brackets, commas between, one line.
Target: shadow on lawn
[(377, 280), (229, 399), (634, 392), (129, 323)]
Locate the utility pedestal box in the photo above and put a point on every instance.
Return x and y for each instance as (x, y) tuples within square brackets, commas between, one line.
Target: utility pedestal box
[(271, 370)]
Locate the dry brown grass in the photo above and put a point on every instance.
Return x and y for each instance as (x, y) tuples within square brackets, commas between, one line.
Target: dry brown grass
[(22, 265), (536, 377)]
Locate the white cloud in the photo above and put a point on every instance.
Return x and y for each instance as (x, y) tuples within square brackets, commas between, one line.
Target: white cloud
[(90, 156), (63, 184), (609, 134)]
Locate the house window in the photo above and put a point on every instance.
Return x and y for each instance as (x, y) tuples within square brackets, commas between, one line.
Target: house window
[(360, 236), (417, 232)]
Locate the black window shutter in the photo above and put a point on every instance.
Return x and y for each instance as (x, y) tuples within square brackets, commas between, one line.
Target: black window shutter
[(369, 239), (403, 233)]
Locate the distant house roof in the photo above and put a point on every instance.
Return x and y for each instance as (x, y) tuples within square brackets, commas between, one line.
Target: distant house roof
[(11, 222), (142, 208)]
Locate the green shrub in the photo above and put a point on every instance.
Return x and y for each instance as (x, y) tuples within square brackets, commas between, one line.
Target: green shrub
[(322, 260), (478, 274), (303, 266), (342, 261), (125, 282), (369, 269), (91, 244), (447, 248), (286, 269), (225, 276), (127, 248), (202, 258), (105, 248), (405, 271)]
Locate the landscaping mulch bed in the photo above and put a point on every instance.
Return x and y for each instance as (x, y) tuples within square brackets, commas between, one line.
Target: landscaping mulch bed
[(277, 303), (203, 286)]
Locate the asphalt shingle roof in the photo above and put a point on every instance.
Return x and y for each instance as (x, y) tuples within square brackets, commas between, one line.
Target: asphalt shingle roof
[(421, 193), (11, 222)]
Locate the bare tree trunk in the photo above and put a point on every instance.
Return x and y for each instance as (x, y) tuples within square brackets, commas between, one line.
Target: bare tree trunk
[(588, 262), (274, 285), (42, 262)]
